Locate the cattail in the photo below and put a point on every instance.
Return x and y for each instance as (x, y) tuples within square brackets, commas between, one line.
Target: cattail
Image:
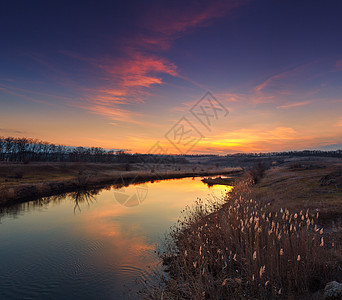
[(322, 242), (298, 257), (321, 231), (254, 255), (281, 252), (262, 270)]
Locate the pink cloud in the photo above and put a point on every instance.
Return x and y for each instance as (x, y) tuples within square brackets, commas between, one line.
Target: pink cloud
[(294, 104), (339, 65), (174, 20), (130, 78), (112, 112), (275, 79)]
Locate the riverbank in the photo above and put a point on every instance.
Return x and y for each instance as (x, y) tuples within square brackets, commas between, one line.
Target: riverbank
[(219, 180), (20, 182), (280, 238)]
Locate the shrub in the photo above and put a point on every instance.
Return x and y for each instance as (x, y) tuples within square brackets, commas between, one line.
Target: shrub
[(258, 171)]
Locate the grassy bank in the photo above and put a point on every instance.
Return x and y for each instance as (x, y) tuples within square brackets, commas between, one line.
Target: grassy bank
[(263, 241), (20, 182)]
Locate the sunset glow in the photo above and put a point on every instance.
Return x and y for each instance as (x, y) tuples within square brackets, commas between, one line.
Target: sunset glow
[(119, 76)]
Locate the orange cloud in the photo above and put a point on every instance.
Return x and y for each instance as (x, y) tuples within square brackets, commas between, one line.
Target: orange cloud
[(112, 112), (339, 123), (129, 78), (250, 140), (283, 75), (294, 104)]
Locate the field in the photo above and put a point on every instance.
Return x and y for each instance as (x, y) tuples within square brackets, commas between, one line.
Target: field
[(22, 182), (277, 239)]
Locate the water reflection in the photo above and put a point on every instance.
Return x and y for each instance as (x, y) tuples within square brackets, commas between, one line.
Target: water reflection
[(83, 196), (79, 196), (87, 245)]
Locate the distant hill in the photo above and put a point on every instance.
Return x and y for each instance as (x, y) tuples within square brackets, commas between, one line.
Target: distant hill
[(331, 147)]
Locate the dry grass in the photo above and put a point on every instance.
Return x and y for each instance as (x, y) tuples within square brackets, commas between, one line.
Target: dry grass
[(19, 182), (245, 250)]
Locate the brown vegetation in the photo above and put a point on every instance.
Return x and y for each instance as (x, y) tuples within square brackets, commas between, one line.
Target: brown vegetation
[(46, 179), (252, 246)]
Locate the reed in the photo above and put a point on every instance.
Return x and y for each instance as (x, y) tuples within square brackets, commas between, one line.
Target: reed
[(241, 248)]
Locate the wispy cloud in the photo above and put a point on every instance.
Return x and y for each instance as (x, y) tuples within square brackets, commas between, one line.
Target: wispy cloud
[(113, 113), (296, 104), (338, 65), (274, 81), (339, 123), (30, 95), (173, 21), (129, 79), (9, 131)]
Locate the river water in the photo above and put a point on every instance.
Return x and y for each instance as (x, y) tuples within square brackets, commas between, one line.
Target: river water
[(92, 247)]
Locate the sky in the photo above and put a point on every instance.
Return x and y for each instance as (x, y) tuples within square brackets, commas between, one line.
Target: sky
[(173, 76)]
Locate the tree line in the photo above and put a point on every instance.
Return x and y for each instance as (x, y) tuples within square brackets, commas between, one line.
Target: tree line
[(316, 153), (28, 149), (32, 150)]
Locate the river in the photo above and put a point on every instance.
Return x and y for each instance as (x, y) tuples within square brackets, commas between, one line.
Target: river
[(99, 247)]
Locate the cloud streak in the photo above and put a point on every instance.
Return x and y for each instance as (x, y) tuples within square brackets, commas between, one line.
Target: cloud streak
[(129, 79), (296, 104)]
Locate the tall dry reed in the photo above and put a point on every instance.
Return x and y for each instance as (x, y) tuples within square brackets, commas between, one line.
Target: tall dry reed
[(245, 250)]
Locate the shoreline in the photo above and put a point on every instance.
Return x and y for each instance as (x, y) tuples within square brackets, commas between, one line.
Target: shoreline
[(29, 192), (253, 233)]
